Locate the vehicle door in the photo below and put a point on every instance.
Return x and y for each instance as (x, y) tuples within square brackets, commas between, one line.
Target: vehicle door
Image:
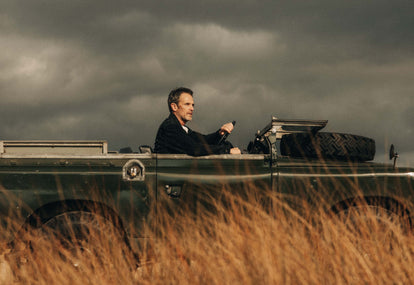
[(198, 183)]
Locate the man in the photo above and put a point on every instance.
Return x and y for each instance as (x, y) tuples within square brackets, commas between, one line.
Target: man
[(174, 136)]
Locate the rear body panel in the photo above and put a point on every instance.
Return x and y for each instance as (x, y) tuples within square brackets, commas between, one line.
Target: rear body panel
[(327, 184), (30, 182)]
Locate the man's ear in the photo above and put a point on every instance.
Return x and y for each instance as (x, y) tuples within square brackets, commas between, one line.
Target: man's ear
[(174, 107)]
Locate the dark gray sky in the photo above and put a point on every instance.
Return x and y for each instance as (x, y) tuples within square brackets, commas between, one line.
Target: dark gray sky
[(103, 69)]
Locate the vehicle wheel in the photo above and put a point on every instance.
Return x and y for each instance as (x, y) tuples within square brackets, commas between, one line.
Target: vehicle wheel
[(80, 236), (374, 227), (328, 145)]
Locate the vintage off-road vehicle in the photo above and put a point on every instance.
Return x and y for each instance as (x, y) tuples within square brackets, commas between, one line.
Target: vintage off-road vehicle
[(47, 183)]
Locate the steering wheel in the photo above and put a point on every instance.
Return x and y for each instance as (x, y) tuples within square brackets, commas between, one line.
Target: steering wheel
[(225, 135)]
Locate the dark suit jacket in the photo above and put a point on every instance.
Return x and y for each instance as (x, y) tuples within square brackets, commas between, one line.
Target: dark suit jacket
[(171, 138)]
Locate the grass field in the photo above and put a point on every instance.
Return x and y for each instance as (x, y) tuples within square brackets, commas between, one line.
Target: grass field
[(242, 243)]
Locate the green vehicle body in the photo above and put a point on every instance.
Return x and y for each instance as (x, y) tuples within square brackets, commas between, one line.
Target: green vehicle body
[(41, 179)]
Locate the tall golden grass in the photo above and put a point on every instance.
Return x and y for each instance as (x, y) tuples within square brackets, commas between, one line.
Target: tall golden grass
[(239, 241)]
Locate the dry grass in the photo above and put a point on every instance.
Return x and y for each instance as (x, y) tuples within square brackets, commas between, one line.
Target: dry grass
[(242, 243)]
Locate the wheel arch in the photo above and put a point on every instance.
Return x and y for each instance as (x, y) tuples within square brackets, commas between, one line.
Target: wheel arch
[(50, 210), (391, 204)]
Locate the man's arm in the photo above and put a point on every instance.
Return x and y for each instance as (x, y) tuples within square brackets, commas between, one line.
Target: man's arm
[(171, 138), (214, 138)]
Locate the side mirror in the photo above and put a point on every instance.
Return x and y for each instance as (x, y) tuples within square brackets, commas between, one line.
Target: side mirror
[(393, 155)]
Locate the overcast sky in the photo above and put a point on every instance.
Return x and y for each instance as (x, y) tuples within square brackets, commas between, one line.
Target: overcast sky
[(77, 69)]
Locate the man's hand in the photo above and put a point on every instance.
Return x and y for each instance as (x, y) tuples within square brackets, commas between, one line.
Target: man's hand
[(226, 128), (235, 150)]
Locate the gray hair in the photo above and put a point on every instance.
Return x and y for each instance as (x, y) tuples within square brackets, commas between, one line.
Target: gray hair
[(175, 94)]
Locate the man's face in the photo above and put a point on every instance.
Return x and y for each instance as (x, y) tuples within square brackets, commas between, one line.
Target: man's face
[(184, 109)]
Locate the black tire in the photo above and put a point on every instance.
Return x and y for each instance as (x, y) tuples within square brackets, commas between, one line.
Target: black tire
[(78, 226), (328, 145)]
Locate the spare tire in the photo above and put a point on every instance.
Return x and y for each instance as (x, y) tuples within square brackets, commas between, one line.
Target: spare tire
[(328, 145)]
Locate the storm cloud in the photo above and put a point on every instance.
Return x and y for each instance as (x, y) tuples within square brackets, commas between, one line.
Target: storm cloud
[(103, 69)]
